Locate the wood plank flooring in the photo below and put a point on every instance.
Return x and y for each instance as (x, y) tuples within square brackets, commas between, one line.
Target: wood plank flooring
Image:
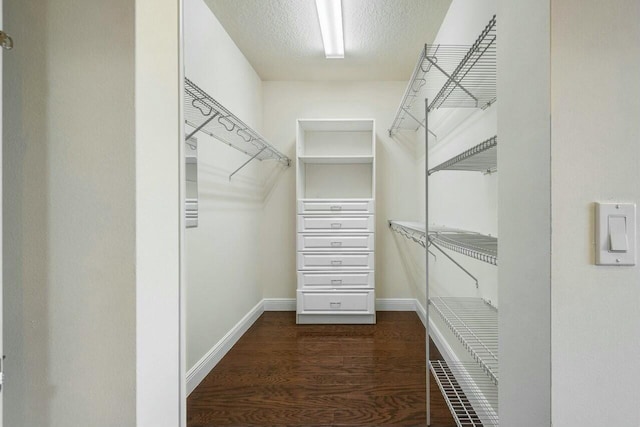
[(283, 374)]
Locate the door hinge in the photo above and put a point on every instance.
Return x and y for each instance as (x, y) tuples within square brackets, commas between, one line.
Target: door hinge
[(2, 372), (5, 40)]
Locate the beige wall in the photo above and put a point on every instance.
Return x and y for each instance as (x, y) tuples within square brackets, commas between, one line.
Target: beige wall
[(283, 103), (222, 253), (69, 214), (595, 157)]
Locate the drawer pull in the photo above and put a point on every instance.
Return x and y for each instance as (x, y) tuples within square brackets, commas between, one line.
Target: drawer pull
[(336, 208), (336, 262), (336, 225), (335, 304), (336, 281), (336, 244)]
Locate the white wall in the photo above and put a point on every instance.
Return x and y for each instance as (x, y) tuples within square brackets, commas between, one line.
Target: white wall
[(69, 214), (524, 213), (222, 253), (159, 388), (283, 103), (595, 156)]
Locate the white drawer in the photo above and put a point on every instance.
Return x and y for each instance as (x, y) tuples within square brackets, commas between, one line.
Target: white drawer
[(335, 224), (336, 302), (309, 280), (335, 261), (335, 242), (335, 206)]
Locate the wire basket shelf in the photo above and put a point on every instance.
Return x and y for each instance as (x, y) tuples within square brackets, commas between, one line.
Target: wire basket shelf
[(450, 76), (481, 158), (474, 321), (204, 114), (414, 231), (475, 245), (471, 397)]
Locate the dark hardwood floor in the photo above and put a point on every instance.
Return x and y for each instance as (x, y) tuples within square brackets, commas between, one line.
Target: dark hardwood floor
[(283, 374)]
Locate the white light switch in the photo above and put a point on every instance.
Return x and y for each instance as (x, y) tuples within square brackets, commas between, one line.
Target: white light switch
[(615, 233), (618, 234)]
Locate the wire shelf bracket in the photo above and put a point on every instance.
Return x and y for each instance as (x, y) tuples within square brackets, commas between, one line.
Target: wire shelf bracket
[(481, 158), (416, 231), (204, 114), (451, 76)]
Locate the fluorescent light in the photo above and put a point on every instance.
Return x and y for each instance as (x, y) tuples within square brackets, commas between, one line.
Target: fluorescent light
[(330, 16)]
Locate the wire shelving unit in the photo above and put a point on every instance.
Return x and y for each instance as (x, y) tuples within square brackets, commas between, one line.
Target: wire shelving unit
[(474, 321), (204, 114), (481, 158), (472, 398), (450, 76)]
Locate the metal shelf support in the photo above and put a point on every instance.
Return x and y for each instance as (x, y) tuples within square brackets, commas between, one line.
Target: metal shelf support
[(201, 110)]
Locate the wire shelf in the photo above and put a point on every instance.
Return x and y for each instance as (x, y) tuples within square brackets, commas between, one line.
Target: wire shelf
[(450, 76), (474, 322), (204, 114), (469, 243), (411, 230), (472, 398), (481, 158)]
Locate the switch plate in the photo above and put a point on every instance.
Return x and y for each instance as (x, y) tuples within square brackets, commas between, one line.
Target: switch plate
[(615, 234)]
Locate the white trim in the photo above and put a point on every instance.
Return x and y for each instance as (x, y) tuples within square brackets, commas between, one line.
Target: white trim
[(421, 312), (279, 304), (395, 304), (201, 369), (443, 346)]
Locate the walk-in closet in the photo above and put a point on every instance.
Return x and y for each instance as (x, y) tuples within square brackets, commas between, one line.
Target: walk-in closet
[(308, 294), (320, 213)]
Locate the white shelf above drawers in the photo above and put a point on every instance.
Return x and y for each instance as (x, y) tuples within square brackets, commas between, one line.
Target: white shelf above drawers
[(335, 242)]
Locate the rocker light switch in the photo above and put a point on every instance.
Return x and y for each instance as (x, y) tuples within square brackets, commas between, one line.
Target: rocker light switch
[(615, 234), (618, 234)]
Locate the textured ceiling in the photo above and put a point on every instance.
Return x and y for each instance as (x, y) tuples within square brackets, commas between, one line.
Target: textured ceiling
[(281, 38)]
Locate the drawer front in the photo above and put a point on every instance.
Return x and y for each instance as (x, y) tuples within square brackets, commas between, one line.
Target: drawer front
[(335, 206), (335, 224), (335, 242), (314, 261), (308, 280), (314, 302)]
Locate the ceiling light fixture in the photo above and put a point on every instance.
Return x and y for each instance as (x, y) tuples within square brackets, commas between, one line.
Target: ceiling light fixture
[(330, 17)]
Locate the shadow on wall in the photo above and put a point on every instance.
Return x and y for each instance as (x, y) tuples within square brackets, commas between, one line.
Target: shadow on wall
[(413, 264), (26, 263)]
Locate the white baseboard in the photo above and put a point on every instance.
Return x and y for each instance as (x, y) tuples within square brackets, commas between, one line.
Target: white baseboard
[(395, 304), (279, 304), (421, 312), (201, 369)]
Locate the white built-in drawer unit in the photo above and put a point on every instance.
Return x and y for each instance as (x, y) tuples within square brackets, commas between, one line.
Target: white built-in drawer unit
[(335, 223), (335, 242), (362, 302), (314, 280), (335, 206), (335, 261)]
